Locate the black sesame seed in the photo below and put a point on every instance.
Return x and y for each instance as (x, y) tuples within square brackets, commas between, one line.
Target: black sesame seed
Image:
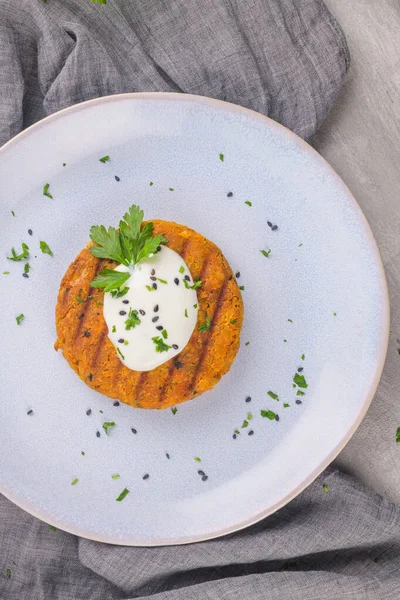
[(25, 275), (134, 430), (200, 472), (237, 275), (187, 277), (155, 308), (204, 478), (176, 280), (30, 412), (122, 312), (251, 432), (146, 476), (116, 403), (89, 411), (153, 278), (155, 286), (117, 178), (97, 433), (299, 402), (230, 194), (158, 248), (87, 334), (167, 455), (155, 319), (248, 399), (159, 327), (234, 436), (300, 369), (125, 301), (276, 417), (269, 223), (142, 312), (175, 347), (178, 364), (121, 341), (274, 228), (30, 231), (153, 272)]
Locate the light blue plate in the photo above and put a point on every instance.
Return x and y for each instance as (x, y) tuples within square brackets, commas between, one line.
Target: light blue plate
[(321, 293)]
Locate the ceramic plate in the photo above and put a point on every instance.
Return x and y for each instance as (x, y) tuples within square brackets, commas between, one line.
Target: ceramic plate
[(318, 302)]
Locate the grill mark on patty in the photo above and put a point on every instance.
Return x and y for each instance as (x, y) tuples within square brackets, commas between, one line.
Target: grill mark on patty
[(100, 264), (139, 387), (100, 342), (208, 337)]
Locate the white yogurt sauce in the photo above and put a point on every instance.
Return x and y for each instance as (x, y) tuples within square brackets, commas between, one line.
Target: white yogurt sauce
[(165, 307)]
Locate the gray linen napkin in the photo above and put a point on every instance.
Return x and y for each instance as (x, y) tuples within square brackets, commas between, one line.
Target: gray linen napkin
[(284, 58)]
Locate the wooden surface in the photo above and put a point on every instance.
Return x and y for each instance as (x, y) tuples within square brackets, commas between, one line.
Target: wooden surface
[(361, 140)]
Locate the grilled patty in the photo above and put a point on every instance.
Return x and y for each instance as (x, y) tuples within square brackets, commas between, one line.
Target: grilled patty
[(83, 334)]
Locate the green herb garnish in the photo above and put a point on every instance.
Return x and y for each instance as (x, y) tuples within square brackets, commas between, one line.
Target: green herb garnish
[(122, 495), (6, 272), (164, 333), (186, 313), (151, 183), (27, 268), (265, 253), (302, 357), (75, 481), (273, 395), (398, 436), (8, 573), (247, 344), (171, 189), (116, 476), (161, 346), (197, 459), (205, 326), (249, 416), (245, 424), (52, 528), (325, 488), (182, 269), (234, 321), (64, 164), (104, 159), (107, 425), (299, 392), (174, 410), (151, 289), (120, 353), (119, 293), (83, 454), (269, 414), (114, 329), (334, 314), (161, 280), (290, 320), (194, 305), (110, 279), (79, 297), (197, 283), (248, 203), (45, 248), (19, 318), (46, 191), (17, 257), (286, 405), (132, 320), (300, 381), (221, 157), (13, 213)]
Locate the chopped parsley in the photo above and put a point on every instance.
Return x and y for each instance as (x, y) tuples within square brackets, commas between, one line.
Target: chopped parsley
[(290, 320), (52, 528), (75, 481), (234, 321), (300, 245), (182, 269), (186, 313), (108, 425), (269, 414), (46, 191), (303, 357), (116, 476), (300, 381), (174, 410), (194, 305), (248, 203), (171, 189), (120, 353), (325, 488), (241, 288), (162, 280), (119, 293), (79, 297), (19, 318), (127, 245), (164, 333), (273, 395), (8, 573), (6, 272), (334, 314), (197, 283), (45, 248), (205, 326), (247, 344), (249, 416), (64, 164), (221, 157), (197, 459), (151, 183), (126, 343), (27, 268), (161, 346), (114, 329), (286, 405), (132, 320), (299, 392), (104, 159), (398, 436), (83, 454), (245, 424), (13, 213), (17, 257), (151, 289), (122, 495)]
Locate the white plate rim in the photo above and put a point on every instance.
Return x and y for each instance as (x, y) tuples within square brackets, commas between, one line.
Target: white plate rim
[(385, 319)]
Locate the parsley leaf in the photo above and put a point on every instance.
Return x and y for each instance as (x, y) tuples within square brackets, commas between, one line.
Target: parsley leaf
[(20, 318), (110, 279), (265, 253), (197, 459), (161, 346), (120, 353), (45, 248), (107, 425), (104, 159), (116, 476), (132, 320), (75, 481), (186, 313), (27, 267), (17, 257), (150, 288), (181, 269), (122, 495), (248, 203), (8, 573), (52, 528), (46, 191), (119, 293), (221, 157), (245, 424), (286, 405), (269, 414), (198, 283), (273, 396), (205, 326), (114, 329), (164, 333), (398, 436), (174, 410), (325, 488), (300, 380)]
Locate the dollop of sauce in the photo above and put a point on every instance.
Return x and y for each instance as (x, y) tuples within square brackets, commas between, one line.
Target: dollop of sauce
[(154, 320)]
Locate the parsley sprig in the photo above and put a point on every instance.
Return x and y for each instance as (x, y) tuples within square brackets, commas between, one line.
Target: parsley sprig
[(128, 245)]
